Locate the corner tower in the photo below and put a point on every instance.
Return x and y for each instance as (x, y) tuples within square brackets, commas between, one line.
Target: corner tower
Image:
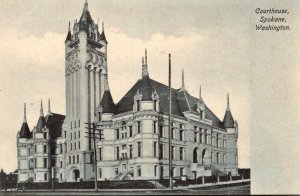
[(85, 73)]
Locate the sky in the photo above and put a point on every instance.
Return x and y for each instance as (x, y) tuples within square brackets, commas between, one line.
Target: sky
[(216, 44)]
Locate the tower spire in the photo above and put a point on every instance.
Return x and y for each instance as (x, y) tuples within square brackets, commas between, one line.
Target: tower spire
[(145, 72), (25, 121), (200, 95), (41, 110), (69, 27), (228, 106), (49, 106)]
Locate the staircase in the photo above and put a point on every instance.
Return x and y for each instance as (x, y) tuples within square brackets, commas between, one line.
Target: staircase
[(215, 170)]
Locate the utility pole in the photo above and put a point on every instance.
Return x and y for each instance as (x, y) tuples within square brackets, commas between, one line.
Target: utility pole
[(170, 139), (92, 127)]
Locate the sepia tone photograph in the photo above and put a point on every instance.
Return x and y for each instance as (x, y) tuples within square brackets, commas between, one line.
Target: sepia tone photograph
[(146, 97)]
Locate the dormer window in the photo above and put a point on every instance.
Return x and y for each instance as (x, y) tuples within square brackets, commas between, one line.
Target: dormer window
[(155, 99), (155, 105)]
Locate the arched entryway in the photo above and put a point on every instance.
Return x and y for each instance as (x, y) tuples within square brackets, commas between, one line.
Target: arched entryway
[(76, 174), (195, 155)]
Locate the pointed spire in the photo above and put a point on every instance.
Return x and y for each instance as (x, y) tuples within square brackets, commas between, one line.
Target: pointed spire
[(145, 72), (25, 121), (69, 26), (41, 110), (182, 79), (85, 6), (106, 87), (102, 26), (49, 106), (228, 107)]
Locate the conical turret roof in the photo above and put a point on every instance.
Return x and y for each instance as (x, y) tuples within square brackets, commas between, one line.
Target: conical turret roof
[(24, 131), (228, 121)]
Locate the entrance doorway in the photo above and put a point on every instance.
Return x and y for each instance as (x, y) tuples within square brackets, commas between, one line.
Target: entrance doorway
[(76, 174)]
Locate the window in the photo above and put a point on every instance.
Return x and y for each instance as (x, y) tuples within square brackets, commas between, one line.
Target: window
[(45, 149), (154, 126), (75, 145), (139, 149), (78, 134), (161, 131), (35, 151), (130, 151), (154, 149), (45, 177), (224, 143), (117, 171), (117, 134), (71, 125), (172, 133), (71, 136), (155, 170), (181, 133), (195, 136), (61, 164), (139, 171), (78, 123), (173, 152), (130, 131), (45, 135), (217, 143), (75, 135), (173, 171), (155, 105), (45, 163), (224, 158), (195, 128), (100, 172), (61, 176), (100, 154), (73, 159), (75, 125), (138, 105), (70, 160), (71, 146), (161, 151), (181, 153), (79, 145), (77, 157), (61, 148), (181, 171), (65, 134), (139, 127), (118, 153), (217, 157), (201, 138)]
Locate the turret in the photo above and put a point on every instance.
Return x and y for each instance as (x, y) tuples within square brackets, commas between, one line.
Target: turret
[(106, 108), (24, 131), (228, 120), (41, 122)]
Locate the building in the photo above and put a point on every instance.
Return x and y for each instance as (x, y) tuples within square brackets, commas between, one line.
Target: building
[(135, 130)]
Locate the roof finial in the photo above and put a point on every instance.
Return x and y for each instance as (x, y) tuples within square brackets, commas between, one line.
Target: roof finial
[(102, 26), (49, 106), (41, 110), (182, 79), (85, 6), (145, 66), (228, 107), (146, 56), (200, 94), (69, 26), (24, 113)]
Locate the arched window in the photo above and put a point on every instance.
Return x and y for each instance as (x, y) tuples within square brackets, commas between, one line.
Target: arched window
[(195, 155)]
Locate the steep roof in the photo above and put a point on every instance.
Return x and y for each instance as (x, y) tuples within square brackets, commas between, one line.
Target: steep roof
[(182, 101), (24, 131), (228, 120), (107, 102), (40, 124), (54, 123)]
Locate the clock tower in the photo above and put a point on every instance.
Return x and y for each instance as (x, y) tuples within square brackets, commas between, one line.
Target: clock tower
[(85, 74)]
